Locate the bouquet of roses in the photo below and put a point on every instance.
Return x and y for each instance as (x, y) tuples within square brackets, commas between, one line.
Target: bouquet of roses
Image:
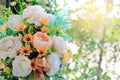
[(33, 43)]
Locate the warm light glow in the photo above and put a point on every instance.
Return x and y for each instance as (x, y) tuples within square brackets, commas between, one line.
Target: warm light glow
[(82, 8)]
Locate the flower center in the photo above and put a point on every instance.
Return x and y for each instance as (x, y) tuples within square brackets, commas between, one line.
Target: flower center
[(28, 39), (25, 51), (32, 64)]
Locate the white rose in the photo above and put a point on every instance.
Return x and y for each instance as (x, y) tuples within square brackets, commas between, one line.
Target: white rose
[(9, 46), (59, 44), (34, 14), (21, 66), (14, 21), (54, 61), (51, 18), (41, 40)]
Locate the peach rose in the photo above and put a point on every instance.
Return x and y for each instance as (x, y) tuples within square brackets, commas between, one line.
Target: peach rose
[(41, 40)]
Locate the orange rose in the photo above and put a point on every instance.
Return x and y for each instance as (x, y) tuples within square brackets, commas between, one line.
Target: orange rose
[(41, 40)]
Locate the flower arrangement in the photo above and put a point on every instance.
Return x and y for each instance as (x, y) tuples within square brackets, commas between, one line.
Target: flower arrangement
[(33, 43)]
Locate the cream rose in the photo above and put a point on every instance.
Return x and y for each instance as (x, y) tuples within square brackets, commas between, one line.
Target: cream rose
[(34, 14), (14, 21), (9, 46), (21, 66), (59, 44), (54, 61), (41, 40), (51, 18)]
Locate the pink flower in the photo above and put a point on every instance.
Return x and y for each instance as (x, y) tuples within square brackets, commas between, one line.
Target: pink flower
[(41, 40)]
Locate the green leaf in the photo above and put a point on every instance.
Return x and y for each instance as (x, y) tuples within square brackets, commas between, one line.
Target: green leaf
[(105, 77), (53, 30), (1, 23), (10, 32), (2, 35), (67, 37), (62, 21), (31, 76)]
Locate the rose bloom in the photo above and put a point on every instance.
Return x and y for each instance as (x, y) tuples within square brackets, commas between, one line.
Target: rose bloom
[(14, 21), (41, 40), (51, 18), (34, 14), (54, 61), (59, 44), (9, 46), (21, 66)]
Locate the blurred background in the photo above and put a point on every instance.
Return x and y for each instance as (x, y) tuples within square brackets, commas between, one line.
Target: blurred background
[(96, 35)]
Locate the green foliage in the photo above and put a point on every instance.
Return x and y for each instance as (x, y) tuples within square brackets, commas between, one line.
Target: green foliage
[(7, 75), (10, 32), (2, 35), (31, 76), (1, 23), (66, 37), (4, 13), (8, 62), (23, 3), (62, 21), (106, 77)]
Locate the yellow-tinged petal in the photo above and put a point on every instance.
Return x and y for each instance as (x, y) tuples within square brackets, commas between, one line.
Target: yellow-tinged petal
[(1, 65), (3, 28), (66, 57)]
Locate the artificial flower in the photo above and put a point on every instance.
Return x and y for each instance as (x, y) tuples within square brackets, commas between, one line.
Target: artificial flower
[(59, 44), (51, 18), (29, 49), (14, 21), (34, 14), (42, 51), (66, 57), (21, 66), (6, 69), (25, 51), (54, 61), (33, 64), (44, 22), (28, 38), (9, 46), (45, 30), (21, 27), (41, 40)]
